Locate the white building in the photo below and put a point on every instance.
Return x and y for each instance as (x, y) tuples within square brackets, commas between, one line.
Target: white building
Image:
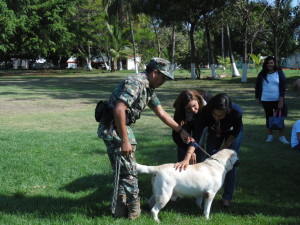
[(130, 62), (72, 62), (20, 63), (104, 62)]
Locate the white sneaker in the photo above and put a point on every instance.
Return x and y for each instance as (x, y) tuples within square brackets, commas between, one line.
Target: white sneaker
[(283, 140), (270, 138)]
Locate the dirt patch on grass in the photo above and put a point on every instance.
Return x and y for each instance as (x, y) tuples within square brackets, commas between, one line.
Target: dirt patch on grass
[(36, 105)]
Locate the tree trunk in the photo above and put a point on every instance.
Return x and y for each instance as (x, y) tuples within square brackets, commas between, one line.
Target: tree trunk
[(157, 41), (133, 44), (192, 30), (235, 72), (115, 64), (223, 54), (87, 55), (275, 33), (112, 65), (210, 52), (105, 62), (88, 63), (173, 50), (89, 59), (276, 48), (59, 62), (106, 66), (245, 55), (120, 64)]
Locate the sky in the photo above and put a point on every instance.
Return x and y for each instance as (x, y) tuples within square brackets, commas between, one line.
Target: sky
[(294, 2)]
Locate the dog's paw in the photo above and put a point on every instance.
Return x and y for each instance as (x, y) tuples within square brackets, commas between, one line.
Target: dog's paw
[(207, 218), (157, 220)]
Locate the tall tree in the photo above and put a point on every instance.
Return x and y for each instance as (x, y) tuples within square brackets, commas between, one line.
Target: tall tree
[(8, 22), (120, 46), (145, 38), (210, 49), (189, 12), (244, 9), (89, 26), (247, 23), (284, 21), (41, 27), (226, 15), (121, 11), (173, 49)]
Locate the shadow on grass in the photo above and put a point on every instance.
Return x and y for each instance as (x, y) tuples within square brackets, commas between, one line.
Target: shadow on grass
[(92, 87), (99, 86), (92, 205)]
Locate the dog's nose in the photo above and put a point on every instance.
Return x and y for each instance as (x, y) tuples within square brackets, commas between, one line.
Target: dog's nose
[(237, 163)]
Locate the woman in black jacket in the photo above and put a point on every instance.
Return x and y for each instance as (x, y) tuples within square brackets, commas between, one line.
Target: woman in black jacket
[(187, 109), (269, 92)]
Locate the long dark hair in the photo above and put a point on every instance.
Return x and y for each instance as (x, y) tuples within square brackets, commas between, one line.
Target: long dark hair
[(265, 68), (182, 100), (220, 102)]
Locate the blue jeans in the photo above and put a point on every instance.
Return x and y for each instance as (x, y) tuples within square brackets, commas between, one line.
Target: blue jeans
[(214, 143)]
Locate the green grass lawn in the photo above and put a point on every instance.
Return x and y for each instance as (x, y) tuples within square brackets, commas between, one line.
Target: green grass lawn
[(54, 169)]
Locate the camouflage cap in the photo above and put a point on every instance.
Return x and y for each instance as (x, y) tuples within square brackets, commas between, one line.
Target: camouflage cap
[(162, 65)]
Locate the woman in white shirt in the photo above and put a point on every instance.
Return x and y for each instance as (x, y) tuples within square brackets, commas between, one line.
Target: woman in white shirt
[(295, 137), (269, 92)]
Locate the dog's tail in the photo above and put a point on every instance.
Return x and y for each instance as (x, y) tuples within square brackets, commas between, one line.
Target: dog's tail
[(146, 169)]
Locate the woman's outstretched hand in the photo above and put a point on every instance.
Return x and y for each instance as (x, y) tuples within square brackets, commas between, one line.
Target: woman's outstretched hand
[(181, 165)]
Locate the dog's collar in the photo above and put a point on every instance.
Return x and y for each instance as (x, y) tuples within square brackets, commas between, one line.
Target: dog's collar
[(195, 145), (212, 158)]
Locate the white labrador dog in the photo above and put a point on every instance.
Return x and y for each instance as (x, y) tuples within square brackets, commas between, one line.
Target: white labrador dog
[(201, 180)]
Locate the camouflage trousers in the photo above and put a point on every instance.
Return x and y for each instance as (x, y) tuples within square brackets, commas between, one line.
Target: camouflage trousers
[(128, 182)]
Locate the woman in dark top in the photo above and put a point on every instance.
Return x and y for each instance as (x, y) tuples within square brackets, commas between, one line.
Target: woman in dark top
[(187, 106), (225, 130), (269, 92)]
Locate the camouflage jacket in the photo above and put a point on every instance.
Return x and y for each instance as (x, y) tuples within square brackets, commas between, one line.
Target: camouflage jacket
[(134, 90)]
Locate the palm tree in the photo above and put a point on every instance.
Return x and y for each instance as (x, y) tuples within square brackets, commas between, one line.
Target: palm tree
[(257, 60), (120, 46), (121, 10), (224, 61)]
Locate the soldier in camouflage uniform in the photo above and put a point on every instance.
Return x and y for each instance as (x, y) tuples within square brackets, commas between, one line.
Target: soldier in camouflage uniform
[(127, 101)]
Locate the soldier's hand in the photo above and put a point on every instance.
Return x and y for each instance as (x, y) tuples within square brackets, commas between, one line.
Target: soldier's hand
[(126, 148), (186, 137)]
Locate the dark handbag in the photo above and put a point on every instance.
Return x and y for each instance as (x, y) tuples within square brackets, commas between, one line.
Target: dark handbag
[(106, 115), (100, 109), (276, 122)]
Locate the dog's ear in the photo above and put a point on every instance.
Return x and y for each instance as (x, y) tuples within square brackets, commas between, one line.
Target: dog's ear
[(237, 163)]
